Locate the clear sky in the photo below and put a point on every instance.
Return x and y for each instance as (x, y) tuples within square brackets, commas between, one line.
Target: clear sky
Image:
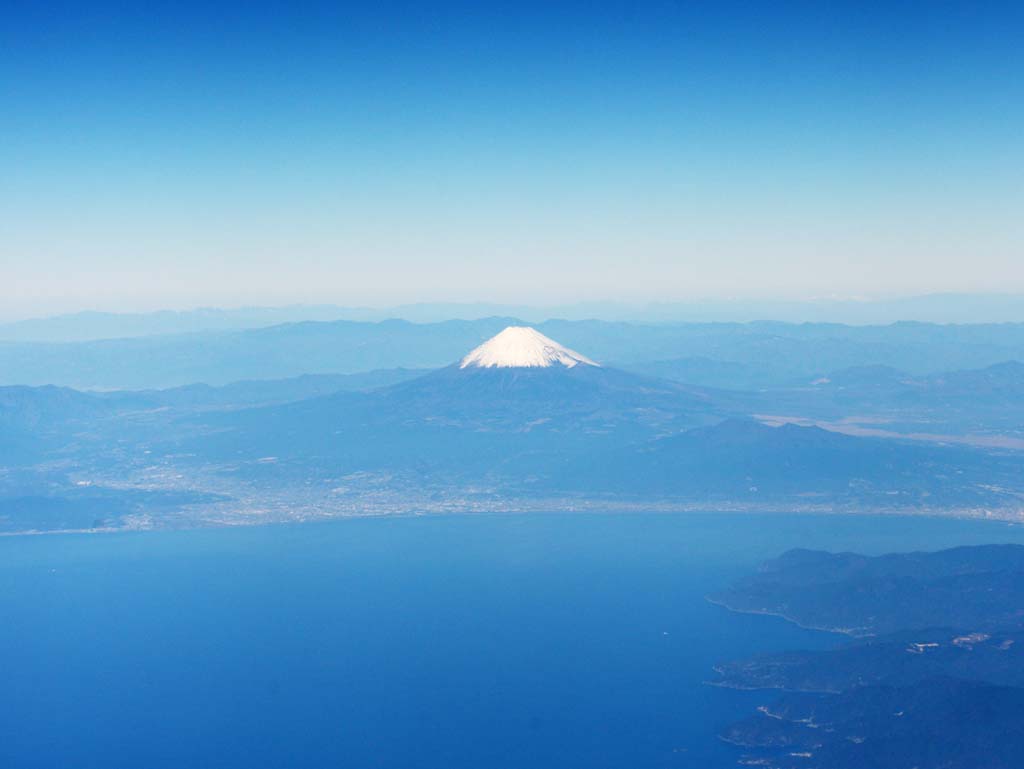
[(177, 154)]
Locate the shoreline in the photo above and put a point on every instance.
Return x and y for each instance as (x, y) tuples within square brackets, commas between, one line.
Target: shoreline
[(232, 519), (848, 632)]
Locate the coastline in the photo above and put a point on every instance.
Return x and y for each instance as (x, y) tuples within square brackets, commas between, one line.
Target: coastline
[(848, 632), (226, 515), (278, 511)]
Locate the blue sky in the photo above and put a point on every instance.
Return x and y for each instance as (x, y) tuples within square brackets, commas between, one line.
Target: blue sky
[(258, 153)]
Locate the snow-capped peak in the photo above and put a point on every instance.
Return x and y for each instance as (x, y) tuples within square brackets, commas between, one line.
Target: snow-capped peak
[(521, 347)]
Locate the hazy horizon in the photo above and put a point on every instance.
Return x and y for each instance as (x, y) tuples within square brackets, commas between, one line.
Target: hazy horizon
[(951, 307)]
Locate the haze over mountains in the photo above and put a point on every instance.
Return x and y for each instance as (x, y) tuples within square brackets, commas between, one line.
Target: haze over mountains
[(731, 355), (929, 308)]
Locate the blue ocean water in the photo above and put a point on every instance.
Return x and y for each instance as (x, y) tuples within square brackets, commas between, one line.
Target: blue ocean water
[(566, 641)]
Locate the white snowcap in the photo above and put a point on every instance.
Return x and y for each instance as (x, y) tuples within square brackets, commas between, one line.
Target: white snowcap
[(521, 347)]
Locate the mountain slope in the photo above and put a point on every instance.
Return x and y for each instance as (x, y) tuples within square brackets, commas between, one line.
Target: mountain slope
[(469, 420), (746, 461)]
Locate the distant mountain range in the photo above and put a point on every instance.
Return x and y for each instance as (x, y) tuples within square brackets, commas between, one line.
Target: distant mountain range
[(733, 355), (931, 308)]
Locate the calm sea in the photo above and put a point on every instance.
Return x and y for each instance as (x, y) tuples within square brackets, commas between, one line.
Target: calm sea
[(443, 642)]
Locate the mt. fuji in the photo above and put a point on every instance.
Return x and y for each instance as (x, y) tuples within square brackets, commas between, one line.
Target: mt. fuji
[(522, 347), (522, 380), (517, 393)]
